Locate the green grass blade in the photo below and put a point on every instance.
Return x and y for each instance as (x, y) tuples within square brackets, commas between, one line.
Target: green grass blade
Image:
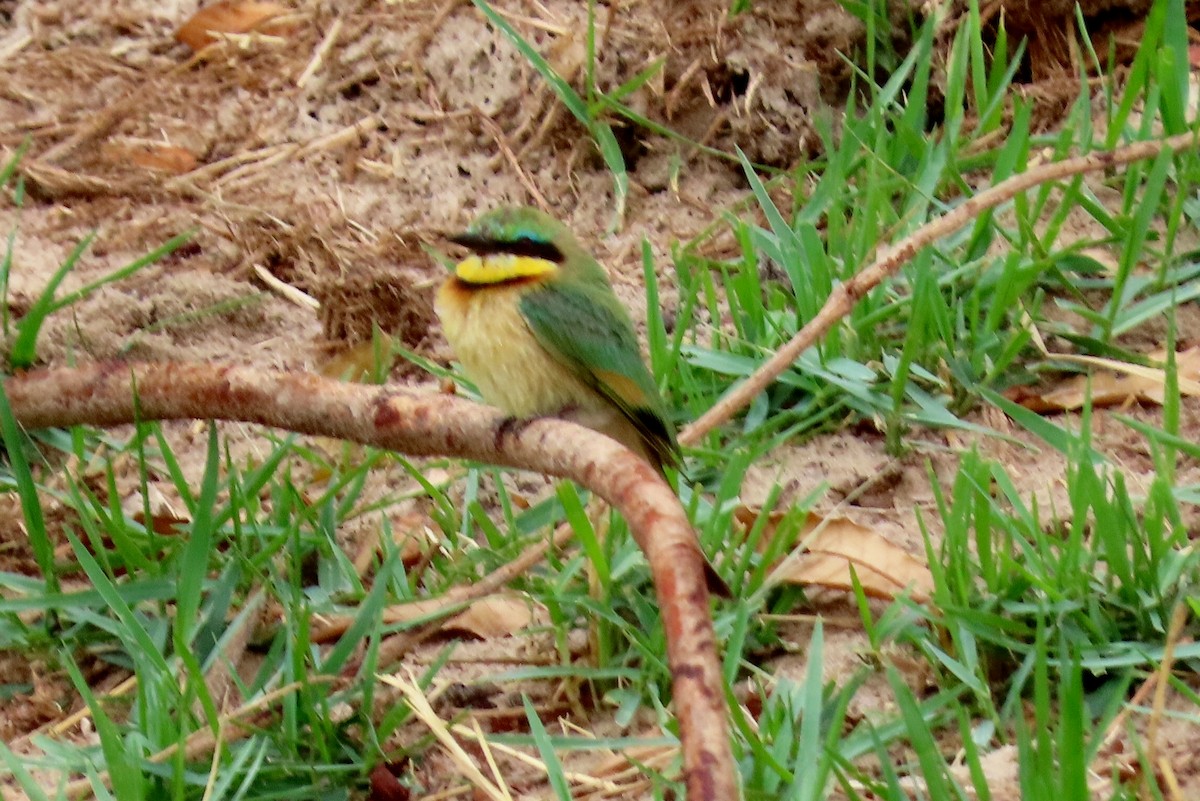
[(24, 348), (601, 132), (554, 769), (15, 444)]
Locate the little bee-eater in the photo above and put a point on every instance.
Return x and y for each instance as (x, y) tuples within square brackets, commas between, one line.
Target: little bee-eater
[(536, 325)]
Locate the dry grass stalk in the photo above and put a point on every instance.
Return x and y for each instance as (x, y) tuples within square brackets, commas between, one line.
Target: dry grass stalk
[(419, 703), (318, 57)]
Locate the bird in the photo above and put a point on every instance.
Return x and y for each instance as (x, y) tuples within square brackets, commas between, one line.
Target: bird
[(535, 324)]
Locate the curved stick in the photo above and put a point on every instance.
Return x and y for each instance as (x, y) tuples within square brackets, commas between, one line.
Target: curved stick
[(114, 393)]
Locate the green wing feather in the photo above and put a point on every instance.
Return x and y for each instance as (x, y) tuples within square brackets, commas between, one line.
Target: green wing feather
[(585, 327)]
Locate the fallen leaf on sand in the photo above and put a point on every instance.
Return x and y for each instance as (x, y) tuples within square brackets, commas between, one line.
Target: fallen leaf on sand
[(228, 16), (165, 519), (498, 615), (493, 615), (832, 546), (157, 156), (1115, 383)]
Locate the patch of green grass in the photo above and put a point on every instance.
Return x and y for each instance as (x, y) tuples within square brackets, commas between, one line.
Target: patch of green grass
[(1097, 579), (177, 610), (960, 316)]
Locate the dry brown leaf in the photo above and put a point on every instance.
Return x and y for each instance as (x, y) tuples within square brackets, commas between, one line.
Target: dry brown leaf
[(165, 519), (884, 570), (498, 615), (836, 544), (228, 16), (408, 531), (157, 156), (162, 524), (385, 786), (1117, 384)]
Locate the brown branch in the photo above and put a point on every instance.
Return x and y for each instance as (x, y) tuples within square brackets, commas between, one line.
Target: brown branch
[(844, 296), (113, 393)]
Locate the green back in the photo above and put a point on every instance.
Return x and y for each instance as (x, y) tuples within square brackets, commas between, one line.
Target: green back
[(584, 325)]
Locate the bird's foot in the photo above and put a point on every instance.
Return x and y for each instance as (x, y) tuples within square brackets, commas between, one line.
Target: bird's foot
[(512, 427)]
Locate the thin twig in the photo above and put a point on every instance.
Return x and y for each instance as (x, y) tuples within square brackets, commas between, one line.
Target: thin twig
[(286, 290), (395, 647), (257, 169), (318, 56), (1163, 675)]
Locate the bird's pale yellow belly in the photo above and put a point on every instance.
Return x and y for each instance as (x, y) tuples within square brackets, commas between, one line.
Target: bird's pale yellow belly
[(499, 352)]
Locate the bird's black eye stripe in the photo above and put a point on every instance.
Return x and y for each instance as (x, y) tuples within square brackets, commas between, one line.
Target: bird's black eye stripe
[(533, 248), (521, 246)]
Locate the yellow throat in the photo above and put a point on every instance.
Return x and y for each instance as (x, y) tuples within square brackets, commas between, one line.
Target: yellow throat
[(500, 267)]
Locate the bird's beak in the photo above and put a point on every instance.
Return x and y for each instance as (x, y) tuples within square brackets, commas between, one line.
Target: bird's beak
[(472, 242)]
